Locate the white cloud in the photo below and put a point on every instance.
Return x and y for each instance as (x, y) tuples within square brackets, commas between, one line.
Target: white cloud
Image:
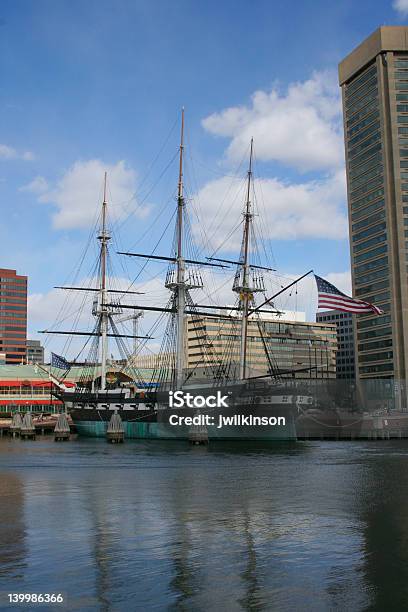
[(341, 280), (313, 209), (37, 185), (62, 310), (401, 6), (301, 127), (45, 307), (77, 195), (7, 152)]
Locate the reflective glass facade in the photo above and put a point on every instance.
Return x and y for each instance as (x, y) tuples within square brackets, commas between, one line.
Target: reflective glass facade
[(345, 357), (374, 81)]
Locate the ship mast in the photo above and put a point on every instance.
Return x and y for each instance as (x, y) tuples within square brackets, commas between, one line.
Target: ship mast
[(245, 291), (103, 294), (180, 266)]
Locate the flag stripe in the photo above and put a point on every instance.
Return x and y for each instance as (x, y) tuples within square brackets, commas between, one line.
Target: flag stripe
[(333, 303), (325, 301), (324, 298), (343, 302), (335, 306), (342, 298)]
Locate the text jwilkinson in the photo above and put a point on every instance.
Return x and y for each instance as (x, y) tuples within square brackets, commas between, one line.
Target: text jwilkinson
[(226, 421)]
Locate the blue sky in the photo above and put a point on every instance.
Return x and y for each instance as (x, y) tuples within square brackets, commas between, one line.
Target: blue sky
[(88, 86)]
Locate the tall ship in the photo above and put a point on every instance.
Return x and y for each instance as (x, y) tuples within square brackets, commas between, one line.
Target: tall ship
[(222, 394)]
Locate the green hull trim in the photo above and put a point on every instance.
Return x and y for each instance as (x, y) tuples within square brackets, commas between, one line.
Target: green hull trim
[(161, 431)]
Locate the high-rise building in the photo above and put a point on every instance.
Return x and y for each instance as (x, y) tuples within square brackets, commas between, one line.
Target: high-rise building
[(13, 316), (345, 359), (374, 82), (35, 352)]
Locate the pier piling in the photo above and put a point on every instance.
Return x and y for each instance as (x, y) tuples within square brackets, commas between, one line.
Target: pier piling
[(198, 435), (27, 429), (62, 429), (115, 432), (15, 425)]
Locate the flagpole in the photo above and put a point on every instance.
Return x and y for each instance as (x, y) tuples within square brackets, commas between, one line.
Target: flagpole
[(279, 292)]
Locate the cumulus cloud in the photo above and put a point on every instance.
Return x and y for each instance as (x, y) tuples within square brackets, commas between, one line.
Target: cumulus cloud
[(7, 152), (77, 195), (62, 310), (300, 127), (56, 304), (341, 280), (401, 6), (37, 185), (313, 209)]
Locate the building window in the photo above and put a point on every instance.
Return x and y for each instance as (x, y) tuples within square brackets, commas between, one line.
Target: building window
[(371, 254), (369, 243), (369, 232)]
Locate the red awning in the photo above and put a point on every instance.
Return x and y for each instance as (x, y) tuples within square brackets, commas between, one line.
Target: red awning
[(29, 402), (32, 383)]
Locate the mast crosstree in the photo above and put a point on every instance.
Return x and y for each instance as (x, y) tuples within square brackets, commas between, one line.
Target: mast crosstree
[(242, 282), (181, 283), (178, 283), (103, 294), (103, 307)]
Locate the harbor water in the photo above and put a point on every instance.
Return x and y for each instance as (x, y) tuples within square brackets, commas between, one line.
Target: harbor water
[(163, 526)]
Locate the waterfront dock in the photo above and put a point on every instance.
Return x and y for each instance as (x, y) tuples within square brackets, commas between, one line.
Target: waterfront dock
[(42, 424), (320, 425)]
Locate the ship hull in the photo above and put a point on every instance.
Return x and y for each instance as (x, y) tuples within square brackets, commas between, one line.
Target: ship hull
[(262, 414)]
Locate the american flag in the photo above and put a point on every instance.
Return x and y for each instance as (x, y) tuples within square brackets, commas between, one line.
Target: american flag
[(59, 362), (330, 297)]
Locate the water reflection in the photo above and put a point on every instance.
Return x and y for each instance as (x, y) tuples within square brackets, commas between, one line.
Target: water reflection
[(386, 529), (13, 548), (316, 526), (252, 599), (102, 549)]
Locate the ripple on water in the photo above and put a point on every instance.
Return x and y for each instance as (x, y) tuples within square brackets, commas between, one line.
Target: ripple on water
[(160, 525)]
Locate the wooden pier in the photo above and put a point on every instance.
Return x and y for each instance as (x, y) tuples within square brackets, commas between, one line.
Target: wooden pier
[(42, 424)]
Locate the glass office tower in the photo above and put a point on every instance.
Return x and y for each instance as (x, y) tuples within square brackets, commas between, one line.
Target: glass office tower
[(374, 82)]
